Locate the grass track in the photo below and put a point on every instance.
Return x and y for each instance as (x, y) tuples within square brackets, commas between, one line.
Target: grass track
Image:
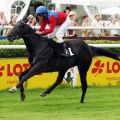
[(101, 103)]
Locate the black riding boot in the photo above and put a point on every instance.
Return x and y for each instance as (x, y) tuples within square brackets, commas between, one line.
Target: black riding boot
[(65, 52)]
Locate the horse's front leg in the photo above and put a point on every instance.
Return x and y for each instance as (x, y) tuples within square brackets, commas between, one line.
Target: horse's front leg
[(22, 95), (58, 81), (34, 70), (12, 90)]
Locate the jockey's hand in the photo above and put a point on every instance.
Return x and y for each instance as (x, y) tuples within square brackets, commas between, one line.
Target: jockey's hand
[(38, 32)]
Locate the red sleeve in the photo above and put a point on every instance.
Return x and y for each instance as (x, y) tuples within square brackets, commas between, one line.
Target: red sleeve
[(43, 25), (52, 24)]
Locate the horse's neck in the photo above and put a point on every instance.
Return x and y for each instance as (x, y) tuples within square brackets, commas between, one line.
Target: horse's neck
[(28, 44), (33, 42)]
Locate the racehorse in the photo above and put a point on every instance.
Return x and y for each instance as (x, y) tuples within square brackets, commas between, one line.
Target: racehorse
[(43, 58)]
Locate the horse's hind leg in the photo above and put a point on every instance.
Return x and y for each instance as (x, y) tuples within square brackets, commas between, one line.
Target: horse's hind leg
[(58, 81), (83, 68), (83, 75)]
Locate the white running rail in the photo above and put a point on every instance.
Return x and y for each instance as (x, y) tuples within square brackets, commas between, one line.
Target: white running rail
[(76, 27), (95, 45)]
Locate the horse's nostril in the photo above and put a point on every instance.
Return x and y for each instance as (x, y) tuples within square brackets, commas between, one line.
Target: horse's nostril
[(9, 36), (12, 37)]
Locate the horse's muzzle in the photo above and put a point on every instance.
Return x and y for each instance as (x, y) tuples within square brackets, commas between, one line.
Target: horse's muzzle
[(11, 38)]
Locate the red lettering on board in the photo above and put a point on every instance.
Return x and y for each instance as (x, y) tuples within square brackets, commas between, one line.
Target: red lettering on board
[(9, 73)]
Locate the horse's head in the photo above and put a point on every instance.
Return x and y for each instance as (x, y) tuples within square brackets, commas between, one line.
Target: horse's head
[(19, 30)]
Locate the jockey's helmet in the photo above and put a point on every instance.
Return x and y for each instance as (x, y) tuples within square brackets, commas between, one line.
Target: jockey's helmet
[(41, 10)]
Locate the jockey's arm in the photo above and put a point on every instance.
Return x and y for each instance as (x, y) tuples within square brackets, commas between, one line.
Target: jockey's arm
[(52, 24), (43, 25)]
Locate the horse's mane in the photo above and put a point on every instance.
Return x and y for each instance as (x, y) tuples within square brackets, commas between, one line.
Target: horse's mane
[(40, 37), (32, 30)]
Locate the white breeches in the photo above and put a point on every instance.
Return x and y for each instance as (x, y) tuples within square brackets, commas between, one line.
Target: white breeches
[(60, 31)]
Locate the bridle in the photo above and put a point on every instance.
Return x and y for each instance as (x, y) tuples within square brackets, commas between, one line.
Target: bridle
[(20, 34)]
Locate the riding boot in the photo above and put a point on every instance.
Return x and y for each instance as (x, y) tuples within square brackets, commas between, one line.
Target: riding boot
[(65, 52)]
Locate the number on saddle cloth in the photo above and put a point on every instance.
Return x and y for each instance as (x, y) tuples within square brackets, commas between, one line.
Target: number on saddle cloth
[(70, 51)]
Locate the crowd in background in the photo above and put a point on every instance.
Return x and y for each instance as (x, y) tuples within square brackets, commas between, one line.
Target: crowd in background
[(97, 22), (113, 22), (4, 22)]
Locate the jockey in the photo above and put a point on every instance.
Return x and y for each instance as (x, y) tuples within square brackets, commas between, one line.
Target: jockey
[(58, 24)]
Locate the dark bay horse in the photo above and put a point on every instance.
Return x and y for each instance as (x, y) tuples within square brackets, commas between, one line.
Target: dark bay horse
[(42, 58)]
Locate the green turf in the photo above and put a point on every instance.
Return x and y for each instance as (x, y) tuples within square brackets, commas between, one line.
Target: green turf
[(62, 104)]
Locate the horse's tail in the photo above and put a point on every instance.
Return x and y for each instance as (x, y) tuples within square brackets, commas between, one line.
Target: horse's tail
[(102, 52)]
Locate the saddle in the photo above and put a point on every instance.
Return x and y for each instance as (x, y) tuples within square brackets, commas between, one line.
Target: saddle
[(56, 46)]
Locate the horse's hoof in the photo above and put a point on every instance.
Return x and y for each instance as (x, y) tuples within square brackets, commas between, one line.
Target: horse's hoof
[(12, 90), (82, 102), (43, 94), (22, 97)]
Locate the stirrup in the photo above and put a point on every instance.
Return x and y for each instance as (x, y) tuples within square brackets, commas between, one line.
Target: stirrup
[(66, 53)]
